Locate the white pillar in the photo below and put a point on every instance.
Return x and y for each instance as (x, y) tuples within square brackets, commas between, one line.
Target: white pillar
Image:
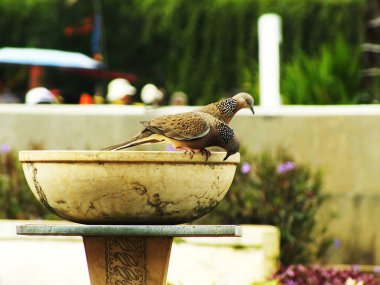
[(269, 59)]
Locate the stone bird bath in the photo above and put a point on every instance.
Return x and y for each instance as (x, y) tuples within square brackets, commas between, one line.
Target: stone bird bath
[(130, 202), (123, 187)]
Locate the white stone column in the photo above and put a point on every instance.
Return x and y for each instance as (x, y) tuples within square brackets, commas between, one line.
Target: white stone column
[(269, 60)]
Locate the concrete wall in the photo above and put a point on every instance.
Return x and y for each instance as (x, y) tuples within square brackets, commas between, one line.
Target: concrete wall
[(343, 141)]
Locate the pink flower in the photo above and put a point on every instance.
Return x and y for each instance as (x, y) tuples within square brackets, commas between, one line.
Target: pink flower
[(355, 267), (245, 168)]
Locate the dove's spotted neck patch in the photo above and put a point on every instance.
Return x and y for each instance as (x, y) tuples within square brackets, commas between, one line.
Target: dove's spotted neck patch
[(227, 107), (225, 132)]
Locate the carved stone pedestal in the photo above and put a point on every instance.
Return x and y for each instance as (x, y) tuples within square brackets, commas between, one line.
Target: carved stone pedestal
[(126, 254), (128, 260)]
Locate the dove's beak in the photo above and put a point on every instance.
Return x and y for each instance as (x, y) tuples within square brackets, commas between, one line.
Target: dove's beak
[(227, 155), (253, 111)]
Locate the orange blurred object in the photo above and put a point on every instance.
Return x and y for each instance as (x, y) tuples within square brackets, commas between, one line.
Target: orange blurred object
[(86, 99), (35, 75)]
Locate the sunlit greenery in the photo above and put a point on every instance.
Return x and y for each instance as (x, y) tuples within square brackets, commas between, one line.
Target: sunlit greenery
[(207, 49), (329, 77)]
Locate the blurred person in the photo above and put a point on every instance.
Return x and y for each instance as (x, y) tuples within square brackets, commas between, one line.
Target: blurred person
[(178, 98), (6, 96), (161, 97), (98, 97), (40, 95), (151, 95), (57, 94), (120, 91)]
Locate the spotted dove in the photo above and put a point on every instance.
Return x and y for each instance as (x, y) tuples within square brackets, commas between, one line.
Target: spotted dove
[(226, 109), (191, 132)]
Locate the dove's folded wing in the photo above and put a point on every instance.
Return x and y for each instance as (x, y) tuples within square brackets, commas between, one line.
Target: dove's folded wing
[(185, 126)]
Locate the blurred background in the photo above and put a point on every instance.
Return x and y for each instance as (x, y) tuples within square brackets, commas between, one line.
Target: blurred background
[(309, 164), (208, 50)]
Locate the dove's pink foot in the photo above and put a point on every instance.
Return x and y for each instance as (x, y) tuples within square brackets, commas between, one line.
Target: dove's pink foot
[(192, 151), (187, 150)]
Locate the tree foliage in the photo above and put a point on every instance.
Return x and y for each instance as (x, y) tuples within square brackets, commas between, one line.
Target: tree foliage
[(207, 49)]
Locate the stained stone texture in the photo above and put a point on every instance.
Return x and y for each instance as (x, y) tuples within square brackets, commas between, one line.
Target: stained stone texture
[(128, 187), (128, 260)]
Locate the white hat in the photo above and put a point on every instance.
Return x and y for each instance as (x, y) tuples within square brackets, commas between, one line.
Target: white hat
[(119, 88), (150, 94), (39, 95)]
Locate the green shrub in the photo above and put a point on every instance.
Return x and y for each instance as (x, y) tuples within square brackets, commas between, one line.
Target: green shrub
[(275, 190), (16, 199), (330, 77)]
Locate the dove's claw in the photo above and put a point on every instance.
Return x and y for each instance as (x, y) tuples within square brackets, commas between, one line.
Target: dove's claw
[(205, 152), (208, 154), (187, 150), (192, 151)]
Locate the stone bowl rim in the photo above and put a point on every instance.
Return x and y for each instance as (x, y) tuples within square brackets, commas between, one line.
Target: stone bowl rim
[(88, 156)]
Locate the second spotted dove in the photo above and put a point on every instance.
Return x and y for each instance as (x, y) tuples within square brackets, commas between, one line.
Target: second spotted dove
[(191, 132)]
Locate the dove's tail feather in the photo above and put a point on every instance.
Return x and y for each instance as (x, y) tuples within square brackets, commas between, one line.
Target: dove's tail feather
[(140, 138)]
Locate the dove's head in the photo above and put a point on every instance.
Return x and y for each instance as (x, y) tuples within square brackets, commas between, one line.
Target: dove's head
[(227, 139), (244, 100), (232, 147)]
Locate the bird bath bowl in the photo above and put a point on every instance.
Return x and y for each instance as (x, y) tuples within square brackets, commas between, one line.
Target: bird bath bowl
[(128, 187)]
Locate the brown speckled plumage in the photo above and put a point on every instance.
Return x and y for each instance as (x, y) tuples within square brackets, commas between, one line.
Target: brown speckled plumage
[(181, 127), (226, 109), (186, 131)]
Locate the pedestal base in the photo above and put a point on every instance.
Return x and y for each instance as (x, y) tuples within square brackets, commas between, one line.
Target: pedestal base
[(130, 254), (128, 260)]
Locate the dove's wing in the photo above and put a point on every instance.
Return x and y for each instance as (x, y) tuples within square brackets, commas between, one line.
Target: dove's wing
[(185, 126)]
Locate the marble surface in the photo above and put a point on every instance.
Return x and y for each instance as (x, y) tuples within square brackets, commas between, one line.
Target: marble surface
[(130, 230)]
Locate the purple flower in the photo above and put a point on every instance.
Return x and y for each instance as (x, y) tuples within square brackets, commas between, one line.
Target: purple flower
[(5, 148), (245, 168), (376, 269), (286, 167), (337, 243), (355, 267), (170, 148)]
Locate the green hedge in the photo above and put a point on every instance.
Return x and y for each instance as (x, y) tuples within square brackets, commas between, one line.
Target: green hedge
[(16, 199), (209, 49), (206, 48), (330, 77)]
